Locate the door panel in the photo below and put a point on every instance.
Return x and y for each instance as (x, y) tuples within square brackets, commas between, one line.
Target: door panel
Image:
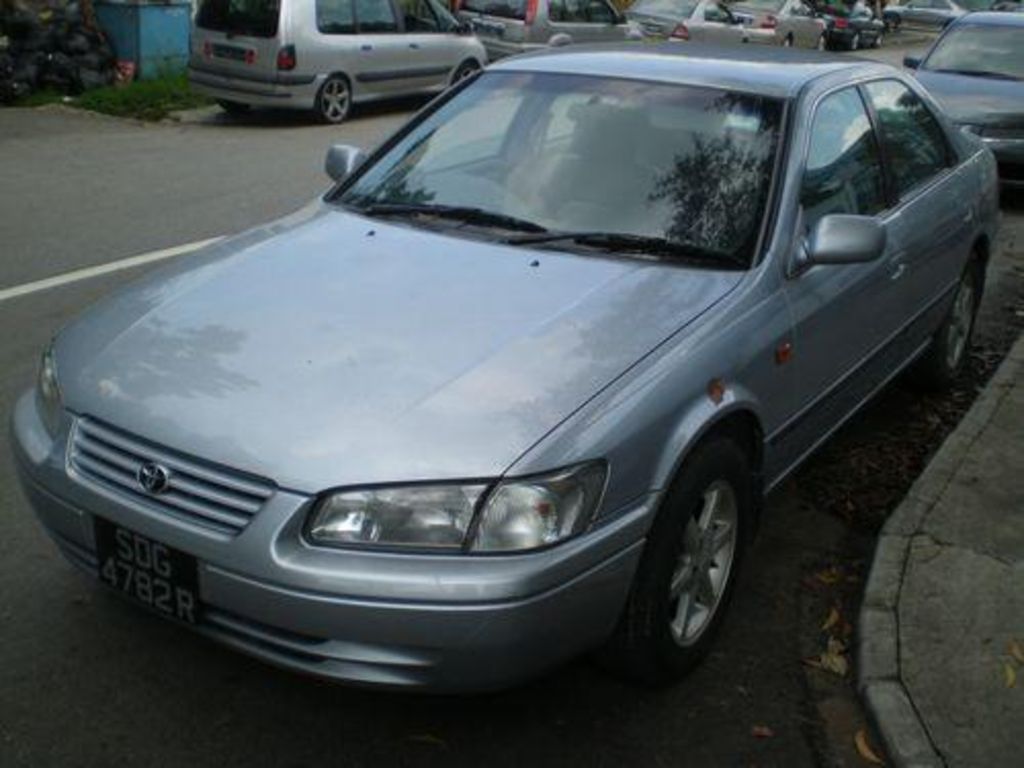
[(844, 315)]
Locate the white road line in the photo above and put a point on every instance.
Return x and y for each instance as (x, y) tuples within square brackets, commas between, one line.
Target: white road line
[(101, 269)]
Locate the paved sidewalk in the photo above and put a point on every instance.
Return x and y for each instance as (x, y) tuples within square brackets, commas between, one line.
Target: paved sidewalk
[(941, 633)]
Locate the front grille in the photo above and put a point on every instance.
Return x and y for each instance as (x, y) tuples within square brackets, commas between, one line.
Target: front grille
[(213, 496)]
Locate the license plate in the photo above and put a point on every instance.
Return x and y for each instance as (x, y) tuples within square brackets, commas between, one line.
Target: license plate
[(152, 573)]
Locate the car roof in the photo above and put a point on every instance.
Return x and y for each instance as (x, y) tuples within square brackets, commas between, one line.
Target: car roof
[(991, 19), (770, 71)]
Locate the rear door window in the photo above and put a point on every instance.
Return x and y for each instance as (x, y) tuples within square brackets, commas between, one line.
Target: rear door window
[(419, 16), (914, 143), (335, 17), (245, 18), (843, 172), (568, 11), (506, 9), (376, 16)]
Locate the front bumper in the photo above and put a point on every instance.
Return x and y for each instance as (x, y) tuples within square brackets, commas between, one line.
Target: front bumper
[(443, 623)]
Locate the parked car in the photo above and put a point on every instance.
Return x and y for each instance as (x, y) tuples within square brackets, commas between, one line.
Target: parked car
[(792, 22), (508, 27), (930, 13), (514, 389), (698, 20), (851, 27), (326, 55), (975, 69)]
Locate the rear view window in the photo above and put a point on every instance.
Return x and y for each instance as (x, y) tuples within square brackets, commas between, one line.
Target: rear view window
[(247, 18), (508, 9)]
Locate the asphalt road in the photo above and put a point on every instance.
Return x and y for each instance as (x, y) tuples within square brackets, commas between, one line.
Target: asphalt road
[(87, 680)]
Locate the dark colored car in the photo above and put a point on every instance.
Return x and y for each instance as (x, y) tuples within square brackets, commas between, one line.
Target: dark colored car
[(976, 71), (851, 27)]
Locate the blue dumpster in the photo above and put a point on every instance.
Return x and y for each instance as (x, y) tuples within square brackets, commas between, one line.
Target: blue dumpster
[(154, 35)]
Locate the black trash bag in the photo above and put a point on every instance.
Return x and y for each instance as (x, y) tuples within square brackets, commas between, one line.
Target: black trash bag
[(76, 43), (60, 73), (91, 78), (18, 25)]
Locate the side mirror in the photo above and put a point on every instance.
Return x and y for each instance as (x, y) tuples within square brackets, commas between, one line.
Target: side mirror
[(843, 239), (559, 40), (911, 62), (342, 160)]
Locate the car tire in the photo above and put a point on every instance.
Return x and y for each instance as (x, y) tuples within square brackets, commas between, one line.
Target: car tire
[(233, 108), (688, 570), (948, 352), (466, 69), (333, 100), (787, 41), (855, 41)]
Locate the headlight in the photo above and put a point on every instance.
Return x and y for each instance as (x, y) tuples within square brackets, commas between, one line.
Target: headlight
[(517, 515), (48, 393), (414, 516), (538, 511)]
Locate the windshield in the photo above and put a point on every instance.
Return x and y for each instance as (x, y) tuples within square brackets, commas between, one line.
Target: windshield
[(665, 7), (981, 50), (571, 153), (251, 18), (509, 9)]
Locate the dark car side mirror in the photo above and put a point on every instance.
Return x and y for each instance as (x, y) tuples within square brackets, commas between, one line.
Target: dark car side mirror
[(843, 239), (342, 160), (911, 62)]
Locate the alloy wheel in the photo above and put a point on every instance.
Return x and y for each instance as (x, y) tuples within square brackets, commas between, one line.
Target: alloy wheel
[(704, 566), (960, 321), (334, 100)]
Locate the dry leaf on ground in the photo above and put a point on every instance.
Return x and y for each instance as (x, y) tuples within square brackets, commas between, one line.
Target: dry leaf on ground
[(830, 575), (428, 738), (1010, 674), (1017, 650), (761, 732), (832, 620), (864, 749), (832, 659)]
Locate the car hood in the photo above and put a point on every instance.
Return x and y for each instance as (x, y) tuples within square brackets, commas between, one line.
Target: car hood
[(976, 100), (330, 349)]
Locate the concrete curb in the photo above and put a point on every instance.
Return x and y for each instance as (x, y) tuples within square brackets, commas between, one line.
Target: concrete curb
[(887, 700)]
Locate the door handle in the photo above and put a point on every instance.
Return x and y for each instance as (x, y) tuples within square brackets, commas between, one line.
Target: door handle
[(898, 268), (968, 216)]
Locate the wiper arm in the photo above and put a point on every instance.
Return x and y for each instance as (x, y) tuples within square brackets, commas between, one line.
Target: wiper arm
[(626, 243), (978, 73), (465, 214)]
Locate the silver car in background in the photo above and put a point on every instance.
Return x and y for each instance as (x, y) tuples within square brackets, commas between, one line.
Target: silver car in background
[(934, 14), (515, 388), (793, 23), (509, 27), (326, 55), (706, 21)]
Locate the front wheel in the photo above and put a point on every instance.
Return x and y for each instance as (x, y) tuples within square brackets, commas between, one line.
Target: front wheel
[(947, 355), (334, 100), (688, 570), (233, 108)]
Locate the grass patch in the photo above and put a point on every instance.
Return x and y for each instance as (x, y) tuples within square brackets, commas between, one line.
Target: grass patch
[(40, 99), (143, 99)]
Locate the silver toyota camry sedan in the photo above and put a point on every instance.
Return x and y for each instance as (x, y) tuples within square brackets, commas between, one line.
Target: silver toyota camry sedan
[(514, 388)]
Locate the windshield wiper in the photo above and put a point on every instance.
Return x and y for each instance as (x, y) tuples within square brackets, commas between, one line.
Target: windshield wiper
[(978, 73), (641, 244), (463, 213)]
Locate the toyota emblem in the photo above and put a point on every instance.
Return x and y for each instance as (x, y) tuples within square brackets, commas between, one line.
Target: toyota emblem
[(153, 478)]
